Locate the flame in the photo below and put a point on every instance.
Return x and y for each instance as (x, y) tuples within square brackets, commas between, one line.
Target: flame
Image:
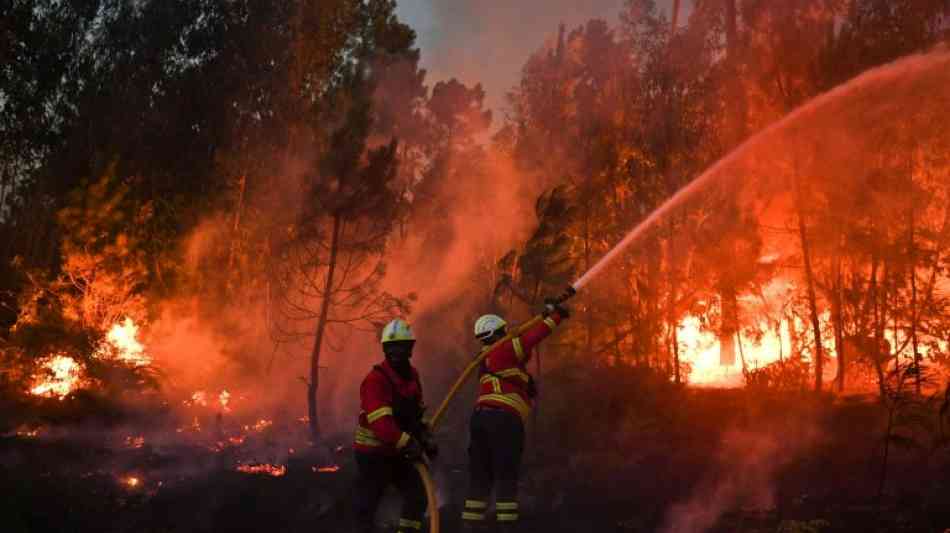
[(62, 375), (326, 469), (132, 482), (122, 337), (198, 398), (268, 469), (27, 433), (260, 425), (702, 352), (224, 398)]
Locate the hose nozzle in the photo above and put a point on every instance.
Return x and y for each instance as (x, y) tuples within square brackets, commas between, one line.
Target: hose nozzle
[(568, 294)]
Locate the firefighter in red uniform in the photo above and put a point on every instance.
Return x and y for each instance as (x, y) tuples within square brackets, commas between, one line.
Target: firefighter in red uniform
[(391, 434), (506, 394)]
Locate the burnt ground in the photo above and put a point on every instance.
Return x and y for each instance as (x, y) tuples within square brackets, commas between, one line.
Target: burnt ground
[(697, 460)]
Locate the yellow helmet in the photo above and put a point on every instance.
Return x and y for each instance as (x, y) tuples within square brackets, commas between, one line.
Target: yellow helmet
[(488, 324), (397, 330)]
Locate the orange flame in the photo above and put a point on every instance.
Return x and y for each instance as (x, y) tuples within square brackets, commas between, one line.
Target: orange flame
[(260, 425), (199, 398), (123, 339), (63, 375), (267, 469), (224, 398)]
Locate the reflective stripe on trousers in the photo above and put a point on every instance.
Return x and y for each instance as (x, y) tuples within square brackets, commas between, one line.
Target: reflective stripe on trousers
[(495, 448)]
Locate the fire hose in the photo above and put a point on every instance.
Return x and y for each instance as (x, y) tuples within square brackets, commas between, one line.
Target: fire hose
[(422, 466)]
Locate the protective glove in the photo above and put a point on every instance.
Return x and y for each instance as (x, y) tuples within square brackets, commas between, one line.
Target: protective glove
[(427, 440), (551, 305), (412, 451), (431, 448)]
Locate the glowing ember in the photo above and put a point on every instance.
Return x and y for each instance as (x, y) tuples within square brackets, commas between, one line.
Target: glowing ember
[(326, 469), (135, 442), (195, 426), (62, 376), (224, 398), (122, 337), (27, 433), (131, 482), (199, 398), (260, 425), (237, 441), (266, 469)]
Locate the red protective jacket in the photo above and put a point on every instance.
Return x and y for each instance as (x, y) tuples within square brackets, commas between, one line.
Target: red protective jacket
[(504, 381), (388, 405)]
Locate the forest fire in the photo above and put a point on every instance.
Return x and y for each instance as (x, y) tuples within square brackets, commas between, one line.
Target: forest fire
[(61, 376), (702, 350), (715, 236)]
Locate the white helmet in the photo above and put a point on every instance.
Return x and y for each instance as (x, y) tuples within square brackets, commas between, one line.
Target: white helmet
[(397, 330), (488, 324)]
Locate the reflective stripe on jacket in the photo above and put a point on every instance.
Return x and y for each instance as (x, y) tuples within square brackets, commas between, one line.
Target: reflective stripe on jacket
[(504, 381), (378, 430)]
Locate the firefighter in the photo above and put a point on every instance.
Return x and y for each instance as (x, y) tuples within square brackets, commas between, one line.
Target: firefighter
[(505, 397), (391, 434)]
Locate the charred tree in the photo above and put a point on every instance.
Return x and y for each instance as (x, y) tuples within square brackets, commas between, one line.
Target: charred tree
[(809, 281), (837, 319), (911, 250), (737, 128)]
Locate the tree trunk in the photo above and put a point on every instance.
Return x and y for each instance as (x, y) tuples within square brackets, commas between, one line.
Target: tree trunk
[(236, 225), (587, 264), (314, 383), (671, 306), (655, 316), (878, 333), (837, 319), (745, 368), (676, 16), (810, 282), (913, 301), (634, 303), (737, 129)]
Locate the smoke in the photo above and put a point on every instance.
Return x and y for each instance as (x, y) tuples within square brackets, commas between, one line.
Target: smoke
[(743, 477), (488, 41)]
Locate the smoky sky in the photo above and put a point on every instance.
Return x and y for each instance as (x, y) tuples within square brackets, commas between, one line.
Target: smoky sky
[(488, 41)]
